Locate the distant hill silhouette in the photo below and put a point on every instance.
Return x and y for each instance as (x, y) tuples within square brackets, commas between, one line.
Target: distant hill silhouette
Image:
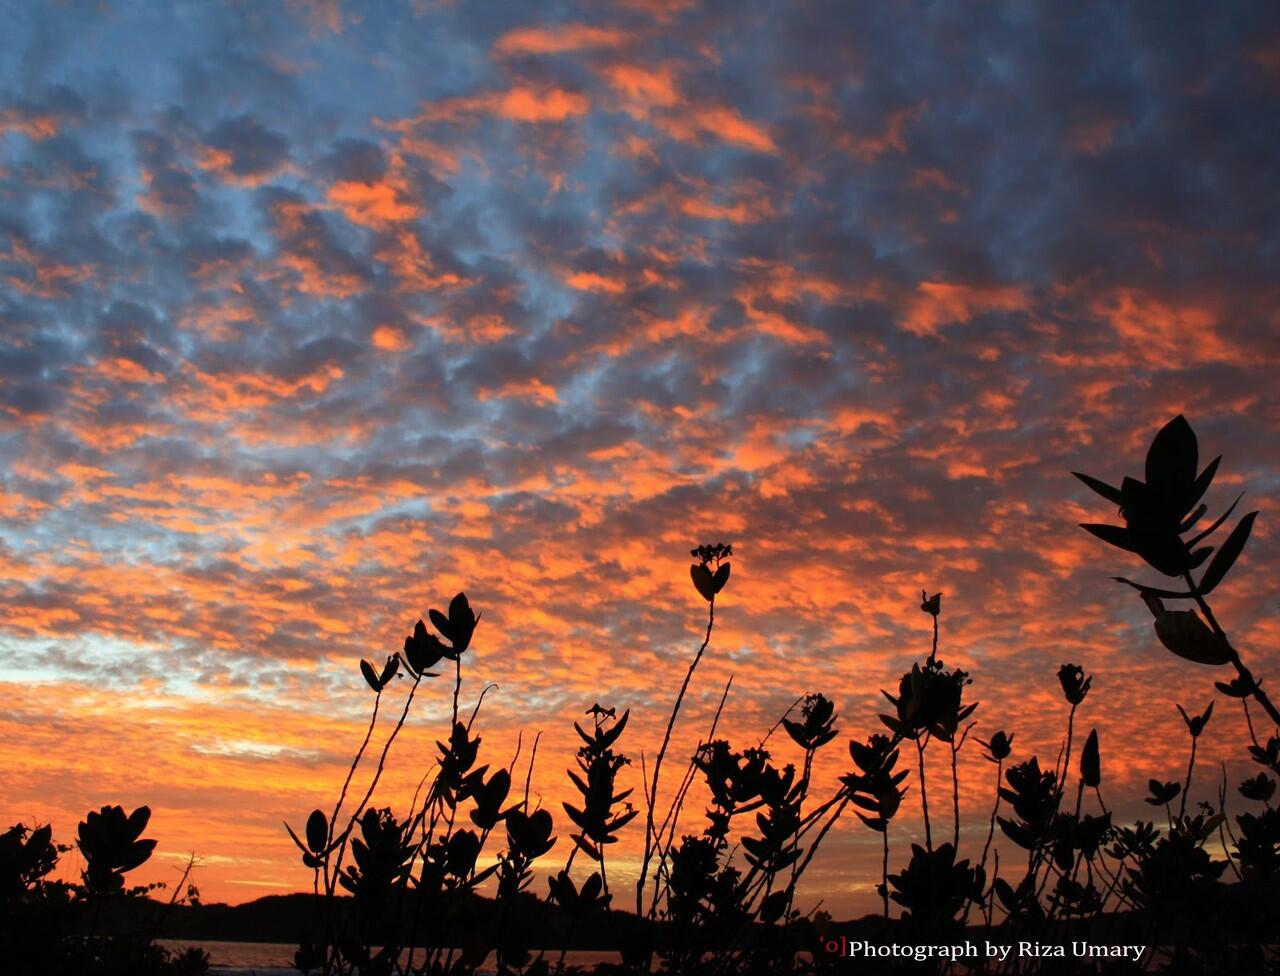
[(289, 919)]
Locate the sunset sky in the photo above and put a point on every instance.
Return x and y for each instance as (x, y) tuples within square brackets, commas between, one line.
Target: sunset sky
[(314, 313)]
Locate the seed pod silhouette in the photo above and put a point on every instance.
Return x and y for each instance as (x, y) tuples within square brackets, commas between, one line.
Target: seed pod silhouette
[(1090, 764)]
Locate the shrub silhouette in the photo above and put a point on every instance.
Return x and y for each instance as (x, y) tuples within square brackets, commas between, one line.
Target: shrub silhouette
[(56, 928), (722, 899), (400, 891)]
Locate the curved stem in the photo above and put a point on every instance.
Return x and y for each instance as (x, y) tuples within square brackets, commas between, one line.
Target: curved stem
[(1182, 807), (382, 761), (813, 848), (1066, 758), (657, 763), (457, 687), (991, 832), (1241, 670), (333, 820), (1248, 719), (924, 798), (1222, 836), (991, 829)]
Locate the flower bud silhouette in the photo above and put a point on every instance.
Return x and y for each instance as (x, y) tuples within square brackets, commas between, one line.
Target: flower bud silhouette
[(1074, 683), (998, 747), (706, 580), (1195, 725)]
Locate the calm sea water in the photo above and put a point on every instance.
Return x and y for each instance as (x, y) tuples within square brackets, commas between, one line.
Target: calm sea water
[(276, 958)]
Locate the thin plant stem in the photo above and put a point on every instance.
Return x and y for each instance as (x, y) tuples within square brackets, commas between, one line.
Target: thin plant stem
[(1066, 758), (382, 761), (955, 798), (528, 777), (1191, 764), (991, 829), (1249, 722), (813, 848), (778, 724), (649, 837), (673, 815), (1241, 670), (333, 820), (924, 797), (1222, 809), (884, 871), (457, 687)]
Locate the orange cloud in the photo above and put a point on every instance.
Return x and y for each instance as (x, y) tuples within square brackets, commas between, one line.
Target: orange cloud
[(211, 159), (305, 275), (590, 281), (387, 338), (939, 303), (520, 103), (373, 204), (533, 389), (643, 88), (556, 40), (220, 392), (892, 137), (38, 126), (444, 159), (747, 211), (720, 121), (41, 275), (119, 369), (541, 105), (413, 266), (1162, 333)]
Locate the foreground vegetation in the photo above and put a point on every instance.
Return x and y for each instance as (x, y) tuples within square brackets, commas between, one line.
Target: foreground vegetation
[(398, 889), (51, 928)]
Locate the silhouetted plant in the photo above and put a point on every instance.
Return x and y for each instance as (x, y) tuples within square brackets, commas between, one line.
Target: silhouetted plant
[(56, 927), (1158, 513), (929, 705), (1261, 788), (997, 749), (111, 845), (1258, 848), (934, 888), (1195, 728), (709, 574), (27, 856), (423, 864), (1033, 794), (877, 788), (599, 765), (722, 899)]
